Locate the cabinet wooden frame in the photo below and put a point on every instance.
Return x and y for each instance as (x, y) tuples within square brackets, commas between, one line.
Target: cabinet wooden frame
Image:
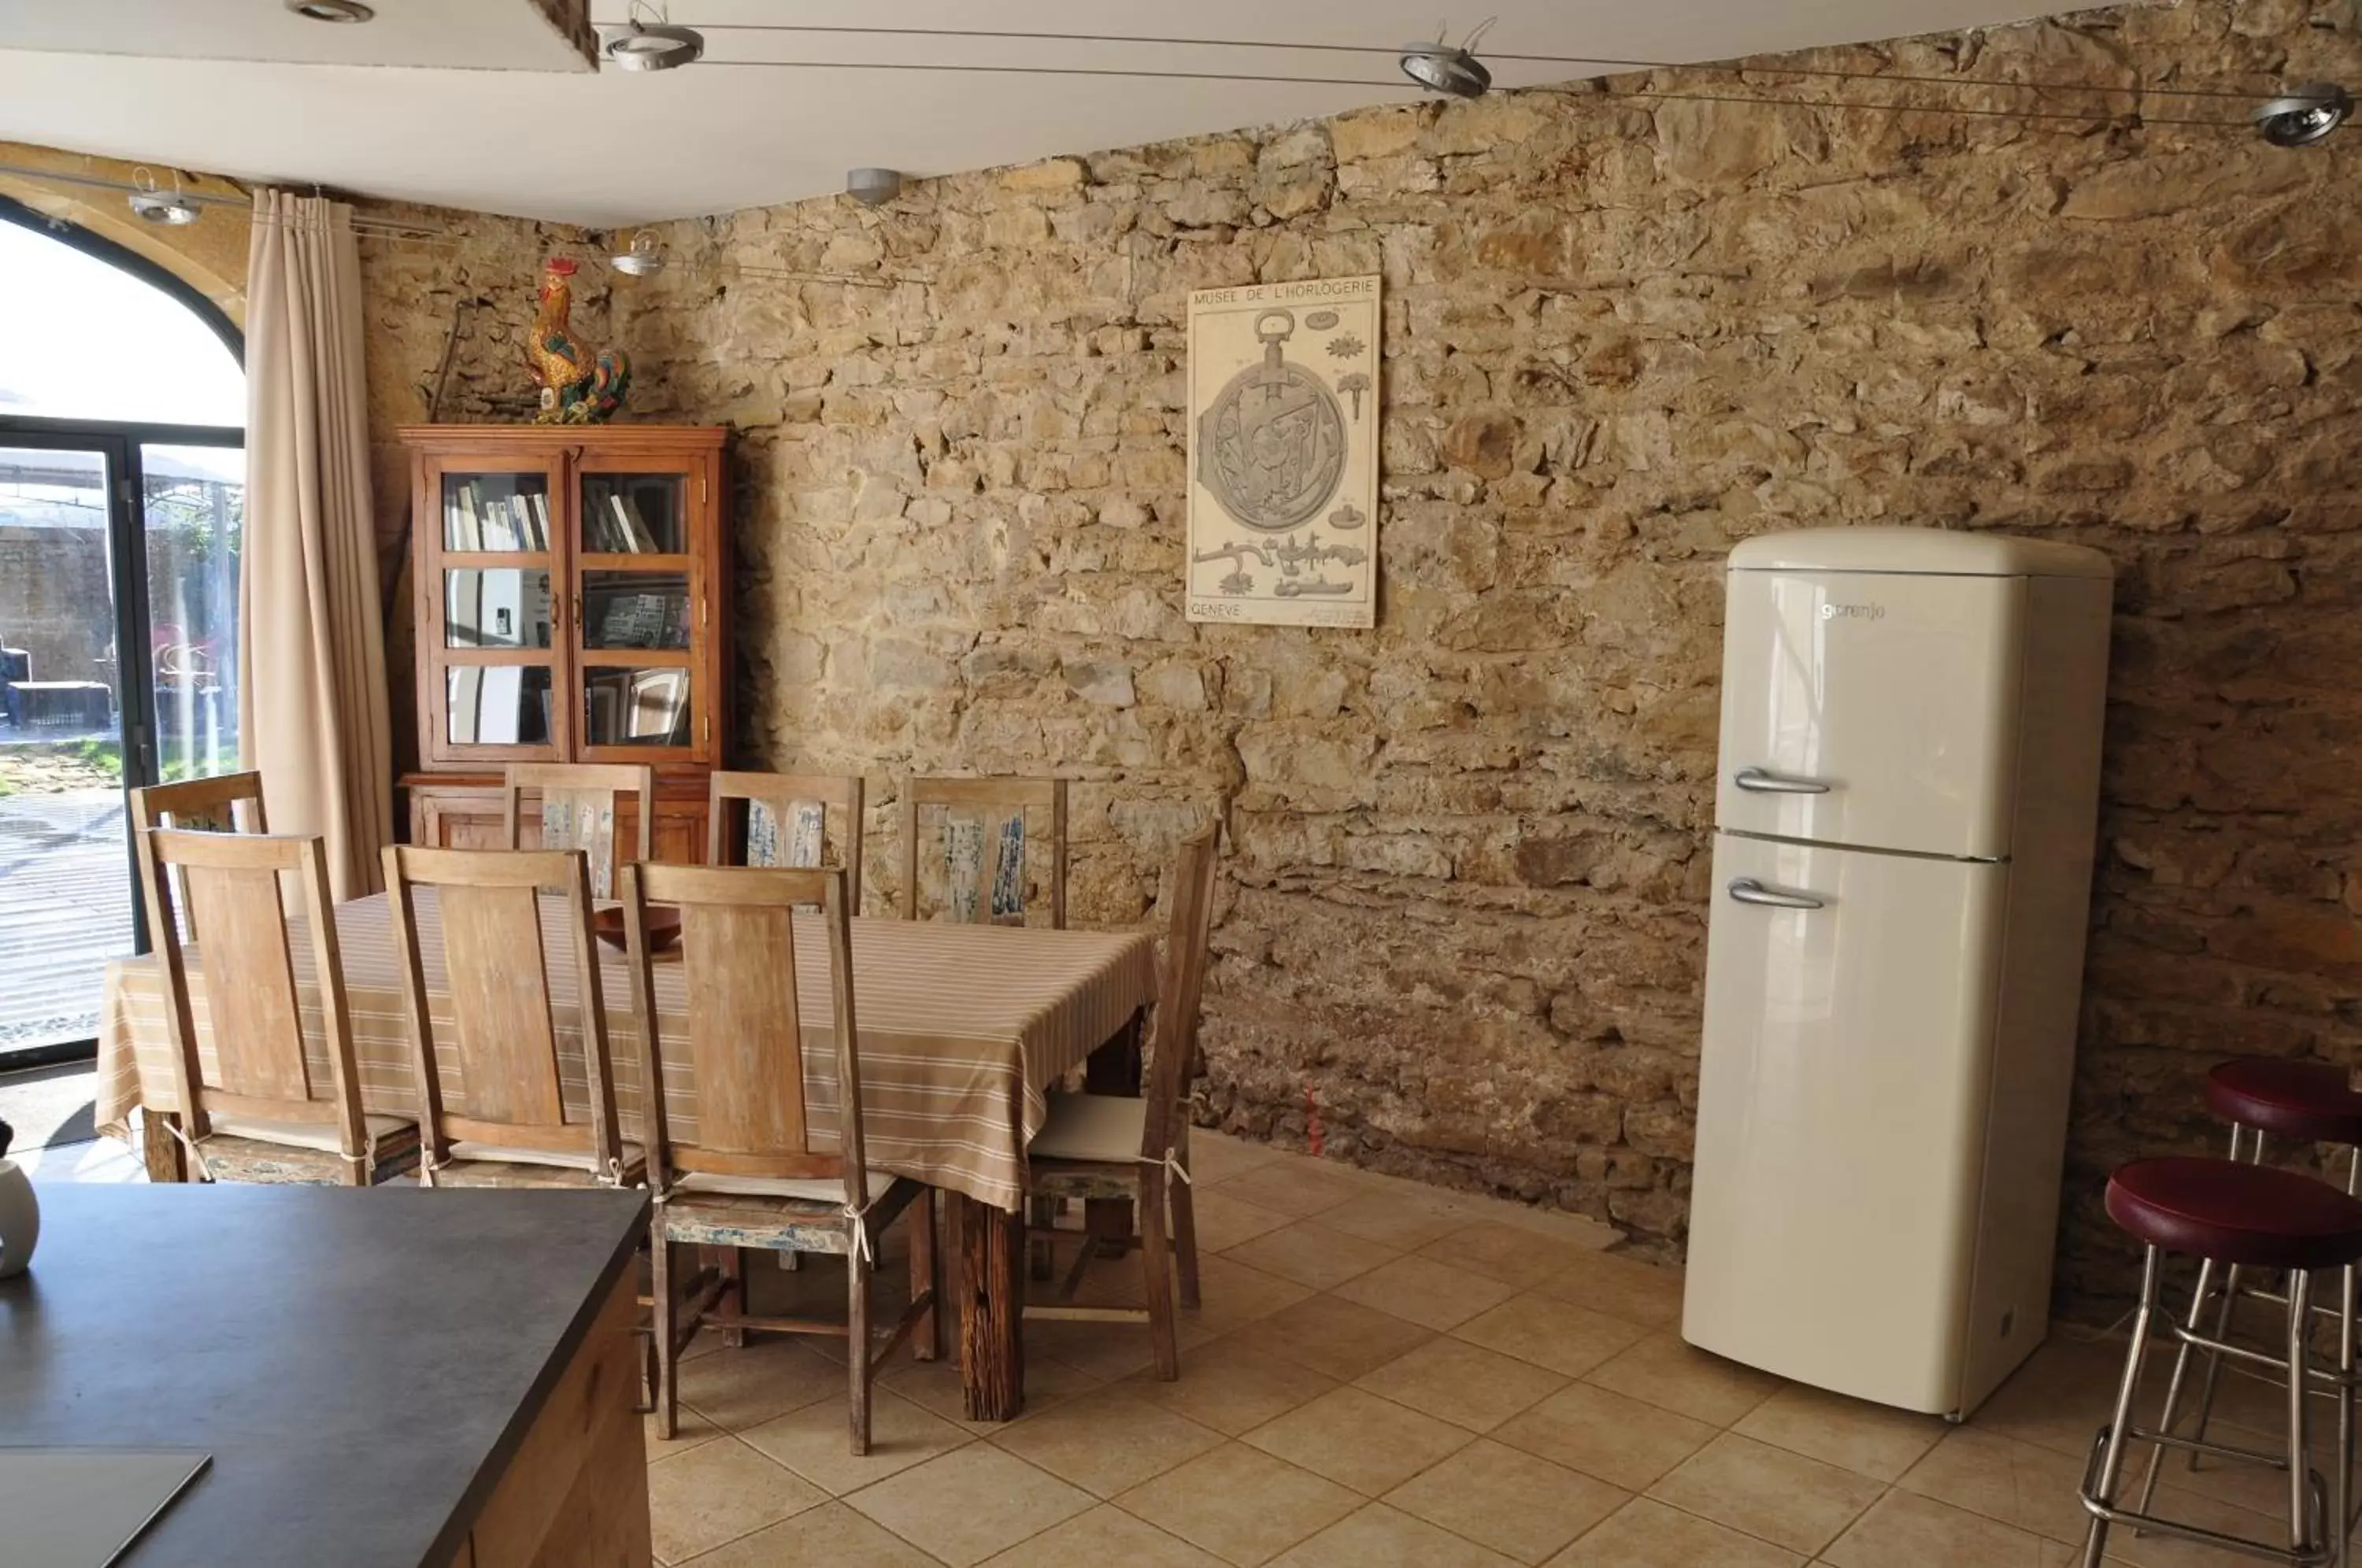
[(561, 460)]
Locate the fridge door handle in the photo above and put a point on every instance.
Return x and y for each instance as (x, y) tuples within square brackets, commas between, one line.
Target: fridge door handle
[(1763, 781), (1747, 891)]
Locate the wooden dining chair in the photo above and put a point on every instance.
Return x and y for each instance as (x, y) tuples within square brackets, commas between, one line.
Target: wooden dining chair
[(984, 836), (578, 811), (511, 1126), (1106, 1146), (758, 1174), (262, 1113), (784, 821), (229, 802)]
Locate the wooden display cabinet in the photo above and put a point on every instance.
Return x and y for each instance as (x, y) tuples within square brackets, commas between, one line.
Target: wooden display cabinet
[(572, 591)]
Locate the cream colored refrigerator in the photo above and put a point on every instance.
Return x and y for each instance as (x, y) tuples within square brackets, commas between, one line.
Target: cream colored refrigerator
[(1910, 761)]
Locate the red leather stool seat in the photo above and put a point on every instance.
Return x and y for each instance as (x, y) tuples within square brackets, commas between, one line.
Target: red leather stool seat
[(2312, 1101), (2238, 1213)]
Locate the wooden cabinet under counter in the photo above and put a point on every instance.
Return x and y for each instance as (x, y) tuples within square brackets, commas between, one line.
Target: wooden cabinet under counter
[(387, 1377)]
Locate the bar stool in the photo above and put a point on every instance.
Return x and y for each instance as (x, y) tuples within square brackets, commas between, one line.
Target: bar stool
[(2311, 1102), (2247, 1215)]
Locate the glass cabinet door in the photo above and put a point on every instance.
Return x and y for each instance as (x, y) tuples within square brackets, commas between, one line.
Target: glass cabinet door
[(640, 594), (496, 692)]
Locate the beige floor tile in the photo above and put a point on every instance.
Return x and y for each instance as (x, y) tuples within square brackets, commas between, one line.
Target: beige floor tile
[(1643, 1534), (1343, 1339), (1513, 1255), (1241, 1504), (2060, 1397), (1224, 1221), (1396, 1220), (1107, 1537), (970, 1503), (813, 1443), (1514, 1502), (689, 1429), (1565, 1337), (1107, 1442), (1426, 1291), (1105, 1351), (739, 1388), (1464, 1383), (717, 1492), (1381, 1537), (936, 1386), (1783, 1497), (1311, 1253), (1232, 1387), (1218, 1156), (1621, 1287), (1605, 1435), (1233, 1295), (1359, 1441), (1906, 1528), (1298, 1187), (1876, 1440), (832, 1533), (1673, 1374), (2005, 1480)]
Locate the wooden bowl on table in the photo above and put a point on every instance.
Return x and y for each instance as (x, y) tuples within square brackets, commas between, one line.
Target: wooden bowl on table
[(663, 926)]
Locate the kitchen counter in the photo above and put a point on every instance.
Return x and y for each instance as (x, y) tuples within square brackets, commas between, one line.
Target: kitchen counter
[(393, 1377)]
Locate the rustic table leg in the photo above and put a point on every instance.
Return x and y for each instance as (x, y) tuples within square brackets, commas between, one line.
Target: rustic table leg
[(1113, 1069), (990, 1245), (159, 1149)]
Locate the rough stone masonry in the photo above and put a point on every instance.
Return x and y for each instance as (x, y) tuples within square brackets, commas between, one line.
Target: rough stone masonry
[(1463, 919)]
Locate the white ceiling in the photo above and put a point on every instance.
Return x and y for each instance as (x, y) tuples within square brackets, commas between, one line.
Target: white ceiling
[(612, 149)]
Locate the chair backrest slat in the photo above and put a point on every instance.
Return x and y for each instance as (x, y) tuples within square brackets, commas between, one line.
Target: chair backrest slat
[(504, 1014), (742, 1023), (228, 802), (1180, 988), (983, 835), (781, 819), (253, 1003), (578, 811)]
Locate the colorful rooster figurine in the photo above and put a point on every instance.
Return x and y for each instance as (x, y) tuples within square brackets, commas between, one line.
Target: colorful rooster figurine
[(579, 385)]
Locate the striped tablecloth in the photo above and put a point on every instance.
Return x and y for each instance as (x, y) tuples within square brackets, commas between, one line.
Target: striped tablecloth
[(963, 1030)]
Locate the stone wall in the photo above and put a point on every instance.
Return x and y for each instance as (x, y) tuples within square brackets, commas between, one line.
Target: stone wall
[(1462, 929)]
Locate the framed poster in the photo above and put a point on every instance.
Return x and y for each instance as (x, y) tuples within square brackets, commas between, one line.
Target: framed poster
[(1283, 453)]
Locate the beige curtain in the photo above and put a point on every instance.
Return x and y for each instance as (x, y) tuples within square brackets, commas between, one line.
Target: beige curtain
[(311, 657)]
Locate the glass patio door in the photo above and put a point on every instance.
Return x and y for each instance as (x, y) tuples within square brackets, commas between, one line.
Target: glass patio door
[(119, 667)]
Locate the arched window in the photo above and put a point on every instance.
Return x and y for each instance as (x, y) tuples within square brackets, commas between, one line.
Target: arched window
[(122, 513)]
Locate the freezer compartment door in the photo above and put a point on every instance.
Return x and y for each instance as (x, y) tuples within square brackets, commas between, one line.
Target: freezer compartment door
[(1848, 1028), (1872, 707)]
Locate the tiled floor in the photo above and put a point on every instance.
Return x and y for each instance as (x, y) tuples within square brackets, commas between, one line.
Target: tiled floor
[(1385, 1375)]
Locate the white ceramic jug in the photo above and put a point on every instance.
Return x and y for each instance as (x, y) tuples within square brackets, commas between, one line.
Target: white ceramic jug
[(21, 1219)]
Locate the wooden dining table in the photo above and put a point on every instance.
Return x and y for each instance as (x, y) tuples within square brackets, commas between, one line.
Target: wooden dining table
[(964, 1028)]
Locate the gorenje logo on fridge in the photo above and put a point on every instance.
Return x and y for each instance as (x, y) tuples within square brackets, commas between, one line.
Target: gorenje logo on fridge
[(1853, 612)]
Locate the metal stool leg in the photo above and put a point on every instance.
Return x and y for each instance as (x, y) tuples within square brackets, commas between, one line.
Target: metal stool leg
[(2341, 1486), (2299, 1333), (2120, 1426), (2181, 1364), (2223, 1319)]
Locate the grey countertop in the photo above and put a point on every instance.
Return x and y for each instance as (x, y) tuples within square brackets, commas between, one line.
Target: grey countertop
[(361, 1365)]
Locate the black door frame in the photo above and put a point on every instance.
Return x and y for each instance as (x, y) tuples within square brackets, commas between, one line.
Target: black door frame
[(119, 443)]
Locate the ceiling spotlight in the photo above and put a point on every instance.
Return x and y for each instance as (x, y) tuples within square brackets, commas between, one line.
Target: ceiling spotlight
[(873, 187), (652, 45), (2302, 115), (640, 258), (1440, 68), (333, 10), (155, 205)]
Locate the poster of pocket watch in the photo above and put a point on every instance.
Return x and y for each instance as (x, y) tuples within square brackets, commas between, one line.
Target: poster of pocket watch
[(1283, 453)]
